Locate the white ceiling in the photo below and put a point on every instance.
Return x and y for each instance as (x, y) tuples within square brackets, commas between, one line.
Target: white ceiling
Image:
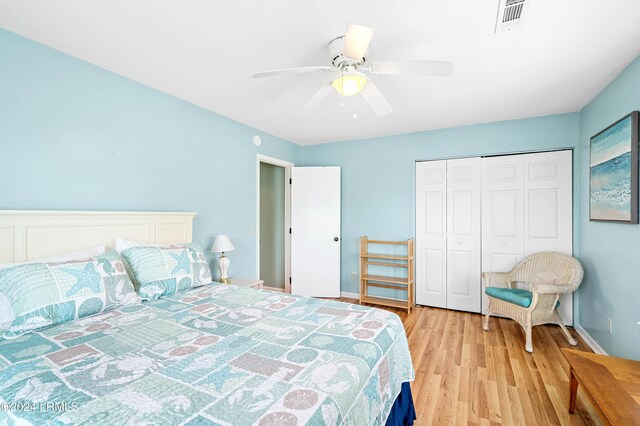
[(204, 51)]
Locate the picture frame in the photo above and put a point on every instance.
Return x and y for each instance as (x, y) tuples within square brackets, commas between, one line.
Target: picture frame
[(613, 172)]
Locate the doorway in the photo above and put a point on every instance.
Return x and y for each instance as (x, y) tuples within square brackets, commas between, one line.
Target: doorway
[(273, 222)]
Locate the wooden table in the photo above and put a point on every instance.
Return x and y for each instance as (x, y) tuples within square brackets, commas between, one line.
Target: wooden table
[(612, 384)]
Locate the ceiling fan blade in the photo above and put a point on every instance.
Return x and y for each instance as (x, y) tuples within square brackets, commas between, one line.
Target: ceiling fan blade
[(375, 99), (317, 98), (356, 41), (436, 68), (298, 70)]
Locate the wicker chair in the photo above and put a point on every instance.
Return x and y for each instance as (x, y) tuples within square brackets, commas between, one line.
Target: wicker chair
[(549, 275)]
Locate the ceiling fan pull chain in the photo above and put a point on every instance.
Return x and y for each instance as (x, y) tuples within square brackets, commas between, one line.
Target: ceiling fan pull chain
[(355, 112)]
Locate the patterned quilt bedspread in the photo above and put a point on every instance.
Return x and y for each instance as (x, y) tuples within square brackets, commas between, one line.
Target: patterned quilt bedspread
[(217, 354)]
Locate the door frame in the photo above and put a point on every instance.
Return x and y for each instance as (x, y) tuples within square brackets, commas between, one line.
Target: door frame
[(287, 165)]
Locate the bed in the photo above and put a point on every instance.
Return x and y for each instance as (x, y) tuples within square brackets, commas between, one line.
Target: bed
[(215, 354)]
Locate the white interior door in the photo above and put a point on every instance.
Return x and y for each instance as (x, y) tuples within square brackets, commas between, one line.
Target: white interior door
[(548, 209), (502, 214), (431, 233), (464, 234), (315, 231)]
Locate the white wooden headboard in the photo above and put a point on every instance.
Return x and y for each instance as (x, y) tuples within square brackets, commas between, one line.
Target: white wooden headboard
[(33, 234)]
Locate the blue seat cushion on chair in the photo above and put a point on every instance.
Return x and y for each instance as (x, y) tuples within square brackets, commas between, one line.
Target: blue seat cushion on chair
[(512, 295)]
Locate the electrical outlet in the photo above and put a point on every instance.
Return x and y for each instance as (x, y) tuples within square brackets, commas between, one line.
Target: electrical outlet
[(354, 276), (610, 324)]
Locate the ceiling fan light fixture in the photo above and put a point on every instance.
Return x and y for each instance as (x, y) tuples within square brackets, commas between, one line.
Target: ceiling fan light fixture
[(349, 83)]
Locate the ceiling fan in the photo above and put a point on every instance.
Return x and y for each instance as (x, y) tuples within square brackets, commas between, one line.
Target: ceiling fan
[(348, 61)]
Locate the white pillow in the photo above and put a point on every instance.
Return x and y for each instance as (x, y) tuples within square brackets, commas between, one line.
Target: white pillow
[(76, 255), (122, 245), (67, 257)]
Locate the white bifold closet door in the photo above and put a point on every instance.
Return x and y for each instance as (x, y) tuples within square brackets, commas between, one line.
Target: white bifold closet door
[(431, 233), (486, 214), (502, 213), (448, 233), (463, 234), (527, 204)]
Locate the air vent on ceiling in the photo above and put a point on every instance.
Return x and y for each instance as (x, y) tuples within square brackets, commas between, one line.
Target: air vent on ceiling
[(510, 14)]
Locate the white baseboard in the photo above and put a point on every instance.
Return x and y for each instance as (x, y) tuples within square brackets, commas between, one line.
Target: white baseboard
[(279, 290), (348, 295), (590, 340)]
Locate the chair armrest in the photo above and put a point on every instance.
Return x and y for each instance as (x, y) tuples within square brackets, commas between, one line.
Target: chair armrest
[(552, 288), (497, 279)]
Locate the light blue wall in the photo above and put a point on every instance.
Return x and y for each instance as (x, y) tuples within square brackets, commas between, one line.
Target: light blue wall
[(74, 136), (378, 174), (610, 252)]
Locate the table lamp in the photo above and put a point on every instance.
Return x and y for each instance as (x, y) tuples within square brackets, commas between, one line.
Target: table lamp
[(221, 244)]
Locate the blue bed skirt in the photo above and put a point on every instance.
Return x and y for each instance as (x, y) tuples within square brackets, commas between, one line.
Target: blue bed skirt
[(403, 413)]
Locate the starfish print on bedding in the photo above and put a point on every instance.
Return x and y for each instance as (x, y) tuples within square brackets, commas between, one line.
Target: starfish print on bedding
[(183, 262), (219, 378), (87, 277)]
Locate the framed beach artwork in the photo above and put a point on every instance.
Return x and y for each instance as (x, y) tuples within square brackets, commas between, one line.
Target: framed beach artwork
[(613, 178)]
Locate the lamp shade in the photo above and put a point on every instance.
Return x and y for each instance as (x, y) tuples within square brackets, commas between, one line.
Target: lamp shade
[(349, 83), (222, 243)]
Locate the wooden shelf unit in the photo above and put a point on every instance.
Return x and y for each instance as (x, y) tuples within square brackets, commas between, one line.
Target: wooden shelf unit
[(404, 261)]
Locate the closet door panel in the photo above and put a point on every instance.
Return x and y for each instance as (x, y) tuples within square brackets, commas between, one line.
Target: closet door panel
[(460, 278), (463, 234), (548, 209), (548, 203), (431, 241), (502, 214)]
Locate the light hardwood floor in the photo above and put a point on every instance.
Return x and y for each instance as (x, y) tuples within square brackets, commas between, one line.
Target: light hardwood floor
[(465, 375)]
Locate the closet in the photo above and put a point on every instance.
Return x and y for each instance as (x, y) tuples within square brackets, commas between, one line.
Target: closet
[(485, 214)]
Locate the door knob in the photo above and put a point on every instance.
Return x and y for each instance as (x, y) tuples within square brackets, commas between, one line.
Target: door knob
[(336, 239), (504, 244)]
